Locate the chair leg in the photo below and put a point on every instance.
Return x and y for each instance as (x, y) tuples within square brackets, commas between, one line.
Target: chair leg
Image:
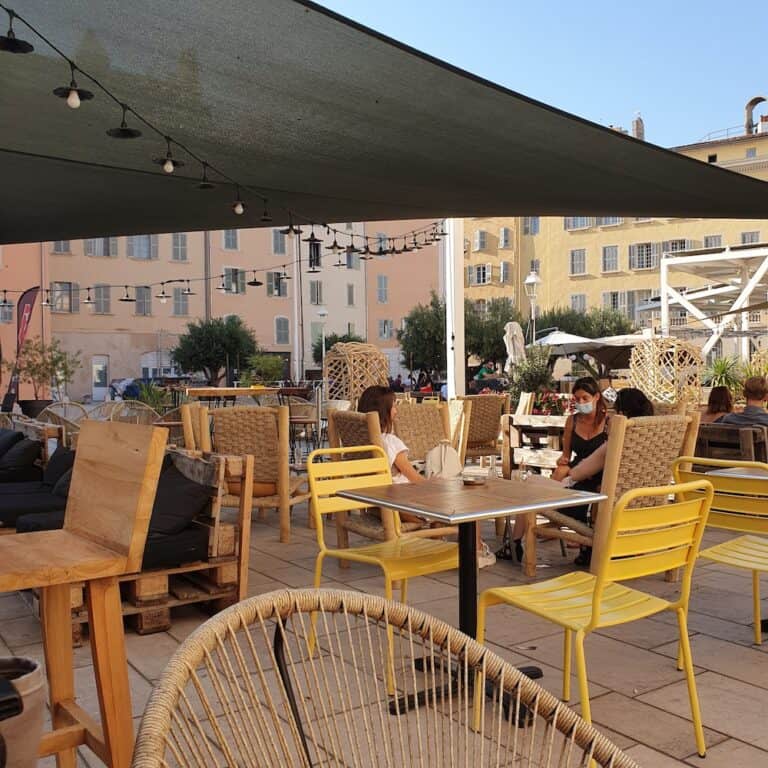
[(313, 617), (110, 667), (57, 642), (581, 672), (390, 676), (404, 590), (284, 511), (342, 535), (685, 646), (529, 548), (499, 523), (567, 638), (756, 607)]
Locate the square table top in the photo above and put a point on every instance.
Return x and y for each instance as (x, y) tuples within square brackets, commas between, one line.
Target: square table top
[(450, 501), (742, 473)]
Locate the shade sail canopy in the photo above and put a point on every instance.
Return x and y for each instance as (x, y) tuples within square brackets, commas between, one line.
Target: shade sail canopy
[(562, 343), (323, 116)]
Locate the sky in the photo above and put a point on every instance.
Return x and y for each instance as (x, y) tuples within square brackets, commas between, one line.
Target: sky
[(687, 67)]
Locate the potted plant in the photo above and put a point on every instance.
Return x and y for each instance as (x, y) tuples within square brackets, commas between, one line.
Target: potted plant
[(47, 367), (724, 372)]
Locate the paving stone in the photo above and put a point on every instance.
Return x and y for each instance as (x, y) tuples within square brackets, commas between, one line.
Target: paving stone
[(185, 620), (149, 654), (726, 658), (293, 576), (422, 591), (650, 758), (21, 631), (646, 633), (734, 707), (13, 607), (731, 754), (81, 656), (710, 625), (669, 734), (87, 698), (725, 605)]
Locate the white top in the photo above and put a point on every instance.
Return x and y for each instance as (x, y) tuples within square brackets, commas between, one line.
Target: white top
[(393, 446)]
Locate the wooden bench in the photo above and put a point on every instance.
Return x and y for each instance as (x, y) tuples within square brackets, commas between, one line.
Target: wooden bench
[(41, 431), (730, 441)]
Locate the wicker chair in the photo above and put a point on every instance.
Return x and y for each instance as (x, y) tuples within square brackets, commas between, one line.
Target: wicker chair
[(102, 411), (244, 690), (134, 412), (640, 454), (421, 427), (264, 434), (172, 421), (348, 429), (485, 425), (69, 427), (71, 411)]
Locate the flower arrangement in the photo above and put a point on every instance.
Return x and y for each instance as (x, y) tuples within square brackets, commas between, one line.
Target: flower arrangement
[(552, 403)]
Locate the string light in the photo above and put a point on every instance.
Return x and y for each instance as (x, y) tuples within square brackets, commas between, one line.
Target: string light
[(88, 300), (162, 296), (5, 302), (187, 291), (238, 207), (204, 183), (334, 247), (222, 286), (290, 231), (46, 302), (126, 297), (169, 163), (255, 283), (406, 248), (415, 246), (72, 93), (365, 254), (10, 43), (123, 131), (265, 217)]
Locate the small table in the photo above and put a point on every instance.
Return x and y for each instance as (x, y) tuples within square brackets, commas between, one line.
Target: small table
[(452, 502), (216, 394), (742, 473)]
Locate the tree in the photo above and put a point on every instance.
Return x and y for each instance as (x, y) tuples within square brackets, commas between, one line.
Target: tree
[(265, 366), (422, 340), (330, 340), (208, 345), (484, 331), (592, 324), (44, 365)]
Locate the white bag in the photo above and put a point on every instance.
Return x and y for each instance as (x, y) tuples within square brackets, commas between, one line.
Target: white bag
[(443, 461)]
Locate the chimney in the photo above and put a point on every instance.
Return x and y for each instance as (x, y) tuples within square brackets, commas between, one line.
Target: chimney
[(638, 128)]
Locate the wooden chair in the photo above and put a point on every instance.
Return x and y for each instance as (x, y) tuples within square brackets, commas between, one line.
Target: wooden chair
[(134, 412), (172, 421), (192, 425), (268, 702), (108, 509), (739, 505), (640, 454), (647, 535), (263, 433), (69, 429), (485, 425), (401, 557), (729, 441)]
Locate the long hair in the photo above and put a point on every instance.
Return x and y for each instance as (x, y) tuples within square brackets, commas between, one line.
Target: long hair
[(631, 402), (720, 400), (591, 387), (379, 400)]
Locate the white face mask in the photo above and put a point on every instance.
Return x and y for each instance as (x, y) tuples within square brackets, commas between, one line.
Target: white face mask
[(585, 408)]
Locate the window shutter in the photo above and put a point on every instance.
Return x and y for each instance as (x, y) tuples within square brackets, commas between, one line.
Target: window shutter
[(153, 242), (476, 241), (113, 246), (489, 273), (74, 297), (666, 246), (623, 302), (483, 239), (129, 247), (632, 255), (656, 252), (470, 275), (89, 247), (240, 281)]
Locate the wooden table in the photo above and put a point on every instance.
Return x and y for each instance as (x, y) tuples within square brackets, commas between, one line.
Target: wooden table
[(220, 393), (451, 502)]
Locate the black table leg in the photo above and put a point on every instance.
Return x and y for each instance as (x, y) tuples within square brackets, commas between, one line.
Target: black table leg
[(468, 578)]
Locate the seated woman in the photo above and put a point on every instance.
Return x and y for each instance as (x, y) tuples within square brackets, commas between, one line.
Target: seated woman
[(719, 404), (585, 432)]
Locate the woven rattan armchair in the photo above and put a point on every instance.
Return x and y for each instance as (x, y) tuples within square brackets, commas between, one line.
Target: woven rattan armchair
[(134, 412), (102, 411), (640, 453), (70, 427), (422, 427), (263, 433), (71, 411), (485, 425), (245, 690)]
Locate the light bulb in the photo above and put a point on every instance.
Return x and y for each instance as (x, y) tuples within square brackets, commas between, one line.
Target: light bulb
[(73, 100), (168, 165), (163, 299), (238, 208)]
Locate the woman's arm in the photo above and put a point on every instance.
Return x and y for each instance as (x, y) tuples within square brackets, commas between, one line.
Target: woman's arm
[(406, 469), (591, 465), (565, 457)]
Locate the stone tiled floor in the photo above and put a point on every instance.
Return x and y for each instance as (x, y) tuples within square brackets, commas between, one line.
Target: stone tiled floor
[(638, 697)]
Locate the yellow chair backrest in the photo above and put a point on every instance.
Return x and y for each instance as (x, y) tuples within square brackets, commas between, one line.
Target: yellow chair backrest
[(651, 539), (739, 504), (327, 478)]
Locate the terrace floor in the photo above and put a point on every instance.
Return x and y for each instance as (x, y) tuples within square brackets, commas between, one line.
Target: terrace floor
[(639, 699)]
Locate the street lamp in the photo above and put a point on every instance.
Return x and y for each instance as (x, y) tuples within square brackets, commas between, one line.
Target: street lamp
[(531, 285), (322, 313)]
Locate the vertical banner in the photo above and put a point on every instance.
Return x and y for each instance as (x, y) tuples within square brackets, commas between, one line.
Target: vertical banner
[(23, 320)]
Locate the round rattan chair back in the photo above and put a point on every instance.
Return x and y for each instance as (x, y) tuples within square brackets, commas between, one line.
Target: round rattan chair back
[(316, 677), (71, 411), (134, 412)]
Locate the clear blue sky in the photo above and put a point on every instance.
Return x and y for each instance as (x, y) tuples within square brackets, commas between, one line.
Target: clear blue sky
[(688, 67)]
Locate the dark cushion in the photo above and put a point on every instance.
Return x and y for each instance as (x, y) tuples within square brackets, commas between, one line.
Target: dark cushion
[(188, 546), (8, 438), (61, 489), (62, 460), (18, 462), (27, 486), (177, 503), (40, 521), (13, 507)]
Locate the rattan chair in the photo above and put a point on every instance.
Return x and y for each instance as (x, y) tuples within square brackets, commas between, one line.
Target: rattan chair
[(102, 411), (69, 428), (264, 434), (172, 421), (485, 425), (243, 690), (422, 427), (134, 412), (71, 411), (639, 454)]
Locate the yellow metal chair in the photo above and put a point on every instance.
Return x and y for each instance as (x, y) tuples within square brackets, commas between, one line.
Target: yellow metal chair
[(739, 504), (400, 558), (642, 540)]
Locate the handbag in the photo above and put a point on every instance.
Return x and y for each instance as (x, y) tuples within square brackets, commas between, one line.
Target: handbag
[(443, 461)]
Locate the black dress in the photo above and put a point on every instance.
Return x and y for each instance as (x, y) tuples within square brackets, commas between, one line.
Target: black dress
[(583, 448)]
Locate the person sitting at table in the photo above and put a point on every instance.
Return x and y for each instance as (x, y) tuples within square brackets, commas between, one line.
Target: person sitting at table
[(719, 404), (754, 413), (585, 432)]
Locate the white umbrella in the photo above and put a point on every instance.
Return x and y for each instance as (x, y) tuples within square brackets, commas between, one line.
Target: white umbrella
[(562, 343)]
